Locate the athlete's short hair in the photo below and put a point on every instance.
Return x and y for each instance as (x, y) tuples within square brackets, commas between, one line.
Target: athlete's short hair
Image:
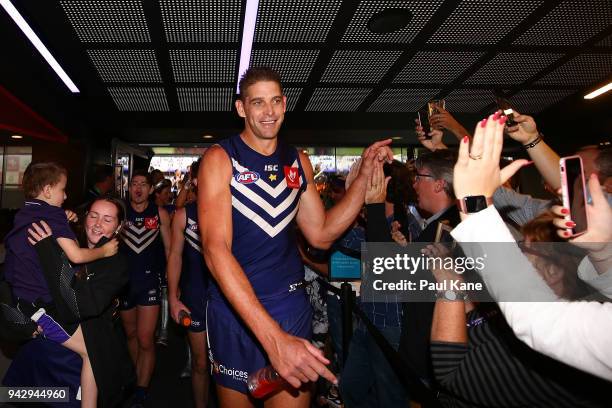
[(38, 175), (258, 74), (142, 173)]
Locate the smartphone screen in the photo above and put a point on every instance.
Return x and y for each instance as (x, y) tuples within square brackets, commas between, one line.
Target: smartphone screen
[(574, 192), (507, 110), (424, 119)]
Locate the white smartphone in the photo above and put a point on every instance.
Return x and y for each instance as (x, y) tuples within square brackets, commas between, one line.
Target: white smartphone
[(574, 192)]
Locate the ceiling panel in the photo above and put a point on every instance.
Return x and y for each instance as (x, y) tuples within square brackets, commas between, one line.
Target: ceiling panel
[(203, 65), (421, 10), (512, 67), (402, 100), (359, 66), (201, 21), (606, 42), (337, 99), (131, 99), (295, 20), (436, 67), (585, 69), (292, 65), (570, 23), (293, 95), (536, 100), (126, 65), (483, 22), (468, 100), (193, 99), (107, 20)]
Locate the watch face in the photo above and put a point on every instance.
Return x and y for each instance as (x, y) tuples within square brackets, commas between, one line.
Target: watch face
[(450, 295), (475, 203)]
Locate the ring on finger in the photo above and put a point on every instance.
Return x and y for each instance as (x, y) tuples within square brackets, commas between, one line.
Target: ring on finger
[(475, 157)]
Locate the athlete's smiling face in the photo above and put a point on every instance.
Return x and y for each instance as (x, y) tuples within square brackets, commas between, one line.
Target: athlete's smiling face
[(263, 109)]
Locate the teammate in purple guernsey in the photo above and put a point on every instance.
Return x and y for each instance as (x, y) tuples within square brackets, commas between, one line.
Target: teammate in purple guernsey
[(253, 189), (186, 265), (146, 241)]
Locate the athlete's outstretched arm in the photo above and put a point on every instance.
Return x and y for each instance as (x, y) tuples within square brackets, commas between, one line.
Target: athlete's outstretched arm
[(175, 263), (322, 228), (295, 359), (164, 228)]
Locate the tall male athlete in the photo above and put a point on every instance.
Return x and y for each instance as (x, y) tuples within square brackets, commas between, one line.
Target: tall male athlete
[(146, 241), (252, 189)]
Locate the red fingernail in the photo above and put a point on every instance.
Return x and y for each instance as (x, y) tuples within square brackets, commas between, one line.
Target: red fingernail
[(570, 224), (497, 115), (503, 119), (483, 123), (567, 234), (465, 139), (564, 211)]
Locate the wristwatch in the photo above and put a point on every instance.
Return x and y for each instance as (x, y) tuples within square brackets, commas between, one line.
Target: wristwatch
[(473, 204), (451, 295)]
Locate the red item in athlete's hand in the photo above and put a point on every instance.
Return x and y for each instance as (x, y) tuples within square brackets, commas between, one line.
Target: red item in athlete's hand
[(264, 381)]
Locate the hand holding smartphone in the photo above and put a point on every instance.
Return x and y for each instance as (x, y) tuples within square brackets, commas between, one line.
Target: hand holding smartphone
[(574, 193), (507, 110)]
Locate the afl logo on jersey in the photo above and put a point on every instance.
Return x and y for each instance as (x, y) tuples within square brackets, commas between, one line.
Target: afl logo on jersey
[(247, 177)]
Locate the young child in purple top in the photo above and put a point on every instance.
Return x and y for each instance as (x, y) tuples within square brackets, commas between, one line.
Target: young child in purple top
[(44, 187)]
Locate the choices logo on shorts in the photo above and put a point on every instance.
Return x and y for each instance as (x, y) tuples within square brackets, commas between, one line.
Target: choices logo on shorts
[(237, 375)]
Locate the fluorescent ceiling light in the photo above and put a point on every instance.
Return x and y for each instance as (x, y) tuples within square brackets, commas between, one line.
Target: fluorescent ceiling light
[(27, 30), (599, 91), (208, 136), (248, 32), (16, 137)]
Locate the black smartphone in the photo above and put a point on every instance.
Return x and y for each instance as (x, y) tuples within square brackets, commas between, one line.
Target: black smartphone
[(424, 120), (506, 108)]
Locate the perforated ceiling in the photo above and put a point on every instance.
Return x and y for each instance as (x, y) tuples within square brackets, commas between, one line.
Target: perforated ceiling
[(126, 66), (337, 99), (295, 20), (436, 67), (571, 23), (402, 100), (512, 68), (359, 66), (108, 20), (139, 99), (203, 65), (421, 10), (182, 56), (201, 21), (205, 99), (483, 22)]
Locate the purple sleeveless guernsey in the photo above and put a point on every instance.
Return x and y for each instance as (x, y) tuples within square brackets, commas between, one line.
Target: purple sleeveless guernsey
[(265, 192)]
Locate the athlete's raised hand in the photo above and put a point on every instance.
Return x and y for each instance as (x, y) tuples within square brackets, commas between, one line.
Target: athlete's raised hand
[(298, 361), (377, 152)]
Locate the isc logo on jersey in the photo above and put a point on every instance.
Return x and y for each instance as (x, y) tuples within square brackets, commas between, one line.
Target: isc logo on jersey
[(247, 177)]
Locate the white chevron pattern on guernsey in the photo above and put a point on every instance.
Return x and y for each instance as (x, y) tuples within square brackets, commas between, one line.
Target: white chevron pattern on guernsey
[(139, 249), (260, 222), (191, 232), (194, 245), (128, 233), (273, 191), (263, 204)]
